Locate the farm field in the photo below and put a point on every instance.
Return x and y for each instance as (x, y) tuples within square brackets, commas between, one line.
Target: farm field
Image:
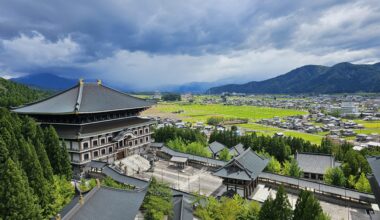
[(370, 127), (268, 130), (200, 113)]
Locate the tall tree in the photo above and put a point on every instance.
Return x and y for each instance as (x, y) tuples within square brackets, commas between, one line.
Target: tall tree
[(42, 155), (57, 153), (17, 198), (362, 184), (36, 180), (277, 209), (274, 166), (307, 207), (65, 162), (335, 176)]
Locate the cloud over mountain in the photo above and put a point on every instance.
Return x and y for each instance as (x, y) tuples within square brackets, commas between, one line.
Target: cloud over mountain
[(151, 43)]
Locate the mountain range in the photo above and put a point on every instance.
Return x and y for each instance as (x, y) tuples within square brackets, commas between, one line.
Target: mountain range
[(46, 81), (340, 78)]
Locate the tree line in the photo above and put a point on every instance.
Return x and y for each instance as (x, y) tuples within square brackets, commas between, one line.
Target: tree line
[(307, 207), (35, 169)]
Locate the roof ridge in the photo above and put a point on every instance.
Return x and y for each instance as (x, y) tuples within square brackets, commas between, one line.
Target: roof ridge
[(315, 153), (44, 99), (79, 98)]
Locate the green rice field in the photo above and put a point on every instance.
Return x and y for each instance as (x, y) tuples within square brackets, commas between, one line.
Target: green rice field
[(199, 112)]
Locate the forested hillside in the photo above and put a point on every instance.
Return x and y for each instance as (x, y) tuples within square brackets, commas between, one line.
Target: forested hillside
[(340, 78), (34, 167), (14, 94)]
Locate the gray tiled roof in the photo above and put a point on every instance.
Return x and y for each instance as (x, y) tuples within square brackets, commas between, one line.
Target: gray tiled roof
[(123, 178), (315, 163), (109, 203), (192, 157), (157, 144), (215, 147), (246, 166), (96, 164), (374, 162), (237, 150), (84, 98), (182, 208)]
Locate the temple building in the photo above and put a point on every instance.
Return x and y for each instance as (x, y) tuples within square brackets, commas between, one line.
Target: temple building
[(315, 165), (242, 172), (95, 122)]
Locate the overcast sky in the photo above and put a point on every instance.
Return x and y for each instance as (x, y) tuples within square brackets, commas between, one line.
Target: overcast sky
[(150, 43)]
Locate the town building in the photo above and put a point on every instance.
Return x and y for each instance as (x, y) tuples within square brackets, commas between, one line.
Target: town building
[(96, 122), (314, 165)]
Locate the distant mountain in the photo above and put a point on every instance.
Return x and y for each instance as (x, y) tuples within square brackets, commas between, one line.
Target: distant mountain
[(193, 87), (46, 81), (340, 78)]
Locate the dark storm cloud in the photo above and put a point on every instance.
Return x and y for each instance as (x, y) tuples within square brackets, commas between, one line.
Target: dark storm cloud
[(209, 39)]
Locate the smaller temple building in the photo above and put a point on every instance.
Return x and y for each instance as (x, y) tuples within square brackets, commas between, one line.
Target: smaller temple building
[(242, 172), (95, 122), (314, 165)]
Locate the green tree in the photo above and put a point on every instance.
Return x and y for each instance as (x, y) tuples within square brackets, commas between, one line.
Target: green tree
[(36, 180), (335, 176), (362, 184), (274, 166), (65, 162), (294, 169), (267, 211), (227, 208), (158, 201), (177, 144), (57, 153), (42, 155), (224, 155), (17, 198), (307, 207), (63, 192), (215, 120), (277, 209)]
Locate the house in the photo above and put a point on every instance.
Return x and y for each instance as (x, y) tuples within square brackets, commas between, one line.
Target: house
[(314, 165), (349, 108)]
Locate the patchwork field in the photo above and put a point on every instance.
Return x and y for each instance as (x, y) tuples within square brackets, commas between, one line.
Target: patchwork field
[(198, 112), (370, 127), (267, 130)]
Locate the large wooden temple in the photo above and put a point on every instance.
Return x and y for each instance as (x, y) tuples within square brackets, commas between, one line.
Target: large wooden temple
[(242, 172), (95, 122)]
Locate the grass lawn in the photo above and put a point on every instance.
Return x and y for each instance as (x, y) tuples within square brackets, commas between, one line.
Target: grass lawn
[(199, 112)]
